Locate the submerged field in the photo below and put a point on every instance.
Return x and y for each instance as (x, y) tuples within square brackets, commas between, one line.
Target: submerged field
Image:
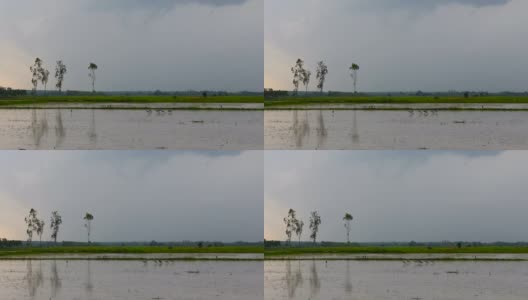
[(126, 250), (99, 99), (286, 101), (394, 250)]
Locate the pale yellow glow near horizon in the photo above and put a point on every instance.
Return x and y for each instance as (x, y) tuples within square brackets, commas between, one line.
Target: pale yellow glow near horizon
[(14, 67), (273, 223), (276, 70), (11, 218)]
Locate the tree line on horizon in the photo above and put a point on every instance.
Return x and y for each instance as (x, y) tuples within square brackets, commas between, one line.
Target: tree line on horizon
[(41, 74), (36, 225), (295, 225), (303, 75)]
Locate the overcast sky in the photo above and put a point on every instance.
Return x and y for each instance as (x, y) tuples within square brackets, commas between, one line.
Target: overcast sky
[(400, 195), (135, 196), (400, 45), (137, 44)]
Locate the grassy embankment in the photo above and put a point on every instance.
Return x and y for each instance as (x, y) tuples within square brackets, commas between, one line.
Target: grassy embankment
[(126, 250), (394, 250), (101, 99), (286, 101)]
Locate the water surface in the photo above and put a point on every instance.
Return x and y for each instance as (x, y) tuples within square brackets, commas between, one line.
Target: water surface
[(131, 129), (409, 280), (395, 129), (71, 280)]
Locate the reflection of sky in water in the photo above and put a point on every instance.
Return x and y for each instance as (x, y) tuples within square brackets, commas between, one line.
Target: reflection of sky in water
[(319, 279), (388, 130), (61, 280), (160, 128)]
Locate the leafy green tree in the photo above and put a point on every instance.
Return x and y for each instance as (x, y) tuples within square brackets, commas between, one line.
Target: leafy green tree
[(92, 67), (88, 218), (56, 221), (322, 71), (60, 71), (354, 68), (290, 222), (315, 221), (298, 74), (36, 72), (348, 218)]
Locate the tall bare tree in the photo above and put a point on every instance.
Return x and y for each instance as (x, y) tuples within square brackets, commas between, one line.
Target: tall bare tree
[(354, 68), (39, 228), (306, 79), (348, 218), (36, 72), (44, 76), (299, 224), (31, 226), (56, 221), (322, 71), (298, 75), (60, 71), (92, 67), (315, 221), (290, 222), (88, 218)]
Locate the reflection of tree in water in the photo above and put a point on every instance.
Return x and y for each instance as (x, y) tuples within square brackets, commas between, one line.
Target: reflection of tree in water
[(315, 282), (34, 279), (60, 132), (293, 281), (56, 282), (355, 134), (92, 135), (300, 128), (88, 286), (38, 127), (321, 130), (348, 282)]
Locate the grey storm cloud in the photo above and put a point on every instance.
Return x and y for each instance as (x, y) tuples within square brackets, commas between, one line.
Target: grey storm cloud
[(400, 45), (162, 4), (400, 195), (136, 195), (138, 45), (428, 4)]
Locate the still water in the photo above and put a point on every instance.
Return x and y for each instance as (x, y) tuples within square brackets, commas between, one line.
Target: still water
[(409, 280), (78, 279), (395, 129), (131, 129)]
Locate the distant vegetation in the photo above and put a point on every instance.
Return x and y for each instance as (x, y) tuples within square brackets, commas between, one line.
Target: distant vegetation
[(9, 92)]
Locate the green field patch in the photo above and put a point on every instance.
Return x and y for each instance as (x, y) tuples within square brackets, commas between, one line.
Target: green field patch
[(394, 250), (322, 100), (127, 250)]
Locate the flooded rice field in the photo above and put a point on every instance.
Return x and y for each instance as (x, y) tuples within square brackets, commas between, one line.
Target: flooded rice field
[(131, 129), (405, 280), (71, 280), (395, 129)]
